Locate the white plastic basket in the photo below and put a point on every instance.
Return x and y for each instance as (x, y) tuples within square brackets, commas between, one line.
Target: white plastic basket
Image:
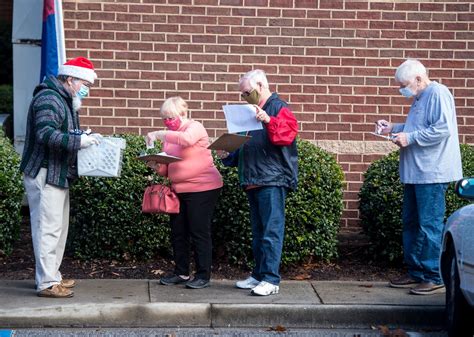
[(103, 160)]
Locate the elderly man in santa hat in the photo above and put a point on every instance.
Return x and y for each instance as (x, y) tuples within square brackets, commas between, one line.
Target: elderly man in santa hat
[(49, 165)]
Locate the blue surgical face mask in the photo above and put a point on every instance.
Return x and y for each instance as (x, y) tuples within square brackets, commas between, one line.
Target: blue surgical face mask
[(83, 91), (406, 92)]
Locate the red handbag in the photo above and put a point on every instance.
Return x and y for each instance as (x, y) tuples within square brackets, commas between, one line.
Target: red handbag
[(160, 199)]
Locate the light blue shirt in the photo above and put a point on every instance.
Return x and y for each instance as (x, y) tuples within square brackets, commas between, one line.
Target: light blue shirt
[(432, 154)]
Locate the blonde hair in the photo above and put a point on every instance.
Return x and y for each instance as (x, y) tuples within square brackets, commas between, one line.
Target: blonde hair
[(174, 107)]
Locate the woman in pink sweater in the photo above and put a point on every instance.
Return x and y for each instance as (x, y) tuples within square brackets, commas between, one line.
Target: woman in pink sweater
[(197, 182)]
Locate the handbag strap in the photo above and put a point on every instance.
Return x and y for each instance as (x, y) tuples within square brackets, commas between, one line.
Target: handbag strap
[(160, 189), (167, 182)]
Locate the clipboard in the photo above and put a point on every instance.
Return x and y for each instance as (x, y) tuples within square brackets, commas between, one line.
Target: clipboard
[(161, 158), (229, 142)]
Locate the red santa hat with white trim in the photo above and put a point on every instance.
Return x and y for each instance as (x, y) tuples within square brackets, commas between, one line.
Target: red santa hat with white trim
[(80, 67)]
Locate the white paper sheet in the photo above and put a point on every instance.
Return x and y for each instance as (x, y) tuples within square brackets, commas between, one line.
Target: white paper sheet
[(389, 137), (241, 117)]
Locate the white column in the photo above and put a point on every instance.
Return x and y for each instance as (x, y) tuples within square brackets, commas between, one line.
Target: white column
[(26, 40)]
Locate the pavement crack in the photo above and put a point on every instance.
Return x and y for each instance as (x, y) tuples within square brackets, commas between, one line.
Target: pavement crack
[(316, 292), (149, 291)]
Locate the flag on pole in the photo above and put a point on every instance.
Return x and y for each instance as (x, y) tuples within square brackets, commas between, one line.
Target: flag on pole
[(52, 39)]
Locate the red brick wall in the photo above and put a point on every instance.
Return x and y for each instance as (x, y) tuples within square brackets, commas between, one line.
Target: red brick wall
[(332, 60), (6, 10)]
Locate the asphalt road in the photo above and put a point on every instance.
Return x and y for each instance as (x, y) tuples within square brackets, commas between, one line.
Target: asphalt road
[(205, 332)]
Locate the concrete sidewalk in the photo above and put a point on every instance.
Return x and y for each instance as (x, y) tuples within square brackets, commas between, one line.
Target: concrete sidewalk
[(145, 303)]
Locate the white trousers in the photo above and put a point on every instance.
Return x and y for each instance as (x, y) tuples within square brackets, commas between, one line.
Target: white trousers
[(49, 217)]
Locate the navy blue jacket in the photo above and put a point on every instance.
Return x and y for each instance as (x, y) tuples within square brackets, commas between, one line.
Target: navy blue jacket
[(263, 163)]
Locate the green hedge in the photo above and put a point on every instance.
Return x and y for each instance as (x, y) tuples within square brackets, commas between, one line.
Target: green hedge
[(11, 195), (106, 217), (381, 199), (107, 222), (312, 212), (6, 99)]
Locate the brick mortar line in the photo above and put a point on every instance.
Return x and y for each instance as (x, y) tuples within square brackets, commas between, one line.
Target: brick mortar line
[(274, 46), (293, 27), (239, 7)]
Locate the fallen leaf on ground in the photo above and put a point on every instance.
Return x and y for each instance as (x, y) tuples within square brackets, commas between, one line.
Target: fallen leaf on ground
[(398, 333), (366, 285), (302, 277), (278, 328), (384, 330)]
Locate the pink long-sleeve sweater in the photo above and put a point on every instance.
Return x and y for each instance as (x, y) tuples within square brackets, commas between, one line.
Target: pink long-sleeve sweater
[(196, 172)]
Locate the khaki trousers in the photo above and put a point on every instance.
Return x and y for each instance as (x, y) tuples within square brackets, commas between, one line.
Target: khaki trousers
[(49, 217)]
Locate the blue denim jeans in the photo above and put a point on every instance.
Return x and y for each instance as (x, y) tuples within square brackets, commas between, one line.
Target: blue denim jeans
[(424, 206), (267, 217)]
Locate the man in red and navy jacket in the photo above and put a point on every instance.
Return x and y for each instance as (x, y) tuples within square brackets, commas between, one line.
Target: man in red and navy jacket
[(268, 169)]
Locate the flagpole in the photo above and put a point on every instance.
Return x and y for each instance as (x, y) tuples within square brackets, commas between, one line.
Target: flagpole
[(60, 32)]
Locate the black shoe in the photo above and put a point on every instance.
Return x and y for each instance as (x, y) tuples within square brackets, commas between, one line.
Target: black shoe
[(198, 283), (171, 279)]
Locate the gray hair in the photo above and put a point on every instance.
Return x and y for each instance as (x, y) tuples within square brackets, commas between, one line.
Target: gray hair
[(409, 69), (255, 77), (174, 107)]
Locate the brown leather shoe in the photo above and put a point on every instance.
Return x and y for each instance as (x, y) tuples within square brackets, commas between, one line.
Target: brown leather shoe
[(68, 283), (405, 281), (56, 291), (428, 288)]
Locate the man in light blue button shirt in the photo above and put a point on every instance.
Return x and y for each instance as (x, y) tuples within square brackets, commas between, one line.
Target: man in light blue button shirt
[(430, 158)]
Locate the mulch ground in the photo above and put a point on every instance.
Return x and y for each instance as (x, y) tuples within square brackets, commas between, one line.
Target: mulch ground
[(351, 265)]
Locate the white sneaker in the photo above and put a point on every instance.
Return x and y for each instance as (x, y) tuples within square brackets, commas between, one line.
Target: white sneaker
[(248, 283), (265, 289)]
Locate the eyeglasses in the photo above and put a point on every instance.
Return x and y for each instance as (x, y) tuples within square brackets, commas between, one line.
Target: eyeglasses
[(87, 84), (246, 93)]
